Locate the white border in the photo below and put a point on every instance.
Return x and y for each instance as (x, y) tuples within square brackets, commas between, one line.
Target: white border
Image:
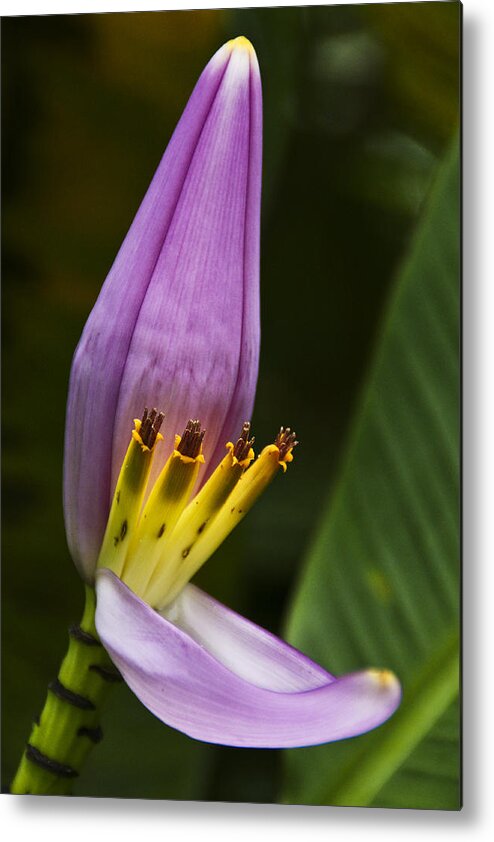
[(55, 818), (43, 7)]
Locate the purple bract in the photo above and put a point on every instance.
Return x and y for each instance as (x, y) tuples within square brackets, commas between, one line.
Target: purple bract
[(176, 324)]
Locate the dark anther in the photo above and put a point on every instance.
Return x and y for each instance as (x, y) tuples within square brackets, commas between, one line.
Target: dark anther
[(186, 552), (191, 440), (93, 734), (83, 636), (150, 427), (161, 530), (244, 444), (123, 530), (110, 675), (61, 770), (75, 699), (285, 441)]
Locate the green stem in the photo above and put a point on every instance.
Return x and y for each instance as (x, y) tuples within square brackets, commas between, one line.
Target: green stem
[(68, 727)]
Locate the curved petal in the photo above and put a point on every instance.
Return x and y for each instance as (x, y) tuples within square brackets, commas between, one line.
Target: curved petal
[(184, 685), (170, 327), (248, 650)]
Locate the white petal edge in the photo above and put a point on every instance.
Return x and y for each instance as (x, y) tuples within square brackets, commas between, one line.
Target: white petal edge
[(246, 649)]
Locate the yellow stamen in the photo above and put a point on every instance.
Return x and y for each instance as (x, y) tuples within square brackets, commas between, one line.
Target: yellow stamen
[(208, 502), (157, 548), (197, 519), (128, 497), (285, 442), (188, 558), (170, 495)]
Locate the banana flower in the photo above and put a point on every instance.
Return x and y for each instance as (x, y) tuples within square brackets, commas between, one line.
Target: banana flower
[(176, 327)]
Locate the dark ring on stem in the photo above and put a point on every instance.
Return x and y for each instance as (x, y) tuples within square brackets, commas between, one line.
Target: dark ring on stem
[(48, 764), (94, 734), (62, 692), (83, 636), (106, 674)]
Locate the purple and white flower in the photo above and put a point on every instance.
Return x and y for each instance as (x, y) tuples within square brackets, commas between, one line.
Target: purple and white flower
[(176, 326)]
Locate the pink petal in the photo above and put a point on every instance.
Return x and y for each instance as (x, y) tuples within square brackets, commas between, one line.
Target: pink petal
[(207, 696), (176, 324)]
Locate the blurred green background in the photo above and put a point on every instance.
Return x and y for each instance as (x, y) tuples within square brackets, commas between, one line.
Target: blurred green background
[(359, 252)]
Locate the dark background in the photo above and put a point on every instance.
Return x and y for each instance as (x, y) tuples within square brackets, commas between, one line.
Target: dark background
[(360, 103)]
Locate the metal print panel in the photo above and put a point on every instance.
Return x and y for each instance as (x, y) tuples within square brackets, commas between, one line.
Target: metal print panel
[(221, 227)]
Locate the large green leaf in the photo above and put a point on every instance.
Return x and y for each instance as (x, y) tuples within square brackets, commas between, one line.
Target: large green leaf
[(380, 587)]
